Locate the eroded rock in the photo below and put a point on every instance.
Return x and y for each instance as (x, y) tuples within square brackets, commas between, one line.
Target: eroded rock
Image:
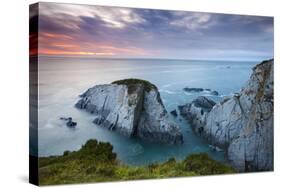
[(131, 107), (242, 124)]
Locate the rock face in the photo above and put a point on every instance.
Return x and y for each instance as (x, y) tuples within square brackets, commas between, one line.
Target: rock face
[(242, 124), (131, 107)]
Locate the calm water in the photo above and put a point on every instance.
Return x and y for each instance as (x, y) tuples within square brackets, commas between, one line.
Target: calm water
[(62, 80)]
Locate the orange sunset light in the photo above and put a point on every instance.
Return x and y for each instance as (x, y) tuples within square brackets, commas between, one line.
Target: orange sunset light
[(62, 44), (60, 52)]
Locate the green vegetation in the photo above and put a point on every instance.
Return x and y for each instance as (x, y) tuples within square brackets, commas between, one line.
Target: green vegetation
[(95, 162), (132, 83)]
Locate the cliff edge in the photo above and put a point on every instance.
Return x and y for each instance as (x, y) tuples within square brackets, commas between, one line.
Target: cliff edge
[(241, 124)]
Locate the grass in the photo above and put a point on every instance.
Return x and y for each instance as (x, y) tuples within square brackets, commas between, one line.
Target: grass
[(96, 162), (133, 82)]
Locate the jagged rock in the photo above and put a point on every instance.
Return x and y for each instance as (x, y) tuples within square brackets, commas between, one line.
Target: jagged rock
[(69, 121), (174, 113), (131, 107), (196, 111), (204, 102), (193, 89), (242, 124), (214, 93), (198, 90), (71, 124)]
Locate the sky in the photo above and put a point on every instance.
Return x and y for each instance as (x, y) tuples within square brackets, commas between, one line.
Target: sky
[(114, 32)]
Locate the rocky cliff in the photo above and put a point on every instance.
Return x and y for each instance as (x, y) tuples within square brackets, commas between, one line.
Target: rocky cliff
[(131, 107), (241, 124)]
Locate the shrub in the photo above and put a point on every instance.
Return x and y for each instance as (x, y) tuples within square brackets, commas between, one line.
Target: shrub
[(96, 162)]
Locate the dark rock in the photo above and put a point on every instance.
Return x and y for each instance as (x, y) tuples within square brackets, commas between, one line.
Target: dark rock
[(193, 89), (197, 90), (69, 121), (214, 93), (204, 102), (71, 124), (174, 113), (66, 119), (99, 120)]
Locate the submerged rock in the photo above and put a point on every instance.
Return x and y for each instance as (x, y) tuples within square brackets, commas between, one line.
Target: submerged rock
[(242, 124), (131, 107)]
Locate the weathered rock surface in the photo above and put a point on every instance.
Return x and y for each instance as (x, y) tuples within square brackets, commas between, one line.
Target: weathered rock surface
[(131, 107), (242, 124)]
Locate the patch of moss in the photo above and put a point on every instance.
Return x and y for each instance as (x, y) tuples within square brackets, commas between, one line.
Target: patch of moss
[(132, 83), (96, 162)]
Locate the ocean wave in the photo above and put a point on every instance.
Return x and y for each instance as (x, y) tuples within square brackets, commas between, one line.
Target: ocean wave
[(167, 85), (188, 93)]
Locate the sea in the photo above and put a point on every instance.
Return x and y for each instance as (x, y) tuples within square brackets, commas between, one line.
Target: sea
[(63, 79)]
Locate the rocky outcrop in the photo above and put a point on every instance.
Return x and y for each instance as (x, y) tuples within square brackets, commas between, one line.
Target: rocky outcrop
[(198, 90), (133, 108), (241, 124), (69, 122)]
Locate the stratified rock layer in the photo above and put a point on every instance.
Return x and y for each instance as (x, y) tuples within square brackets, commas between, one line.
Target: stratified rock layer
[(242, 124), (131, 107)]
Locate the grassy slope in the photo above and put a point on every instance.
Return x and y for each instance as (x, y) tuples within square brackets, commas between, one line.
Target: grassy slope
[(95, 162)]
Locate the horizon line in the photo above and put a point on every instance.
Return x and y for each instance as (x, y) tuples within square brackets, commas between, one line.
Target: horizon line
[(152, 58)]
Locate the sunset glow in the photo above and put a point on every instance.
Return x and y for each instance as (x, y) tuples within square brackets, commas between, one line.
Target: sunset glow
[(84, 30)]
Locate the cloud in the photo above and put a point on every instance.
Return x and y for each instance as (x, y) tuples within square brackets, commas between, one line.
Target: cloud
[(193, 21), (125, 32), (115, 18)]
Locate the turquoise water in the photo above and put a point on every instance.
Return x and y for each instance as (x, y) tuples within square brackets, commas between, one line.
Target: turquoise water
[(61, 80)]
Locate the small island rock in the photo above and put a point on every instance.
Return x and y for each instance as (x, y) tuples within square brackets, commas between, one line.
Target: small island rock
[(133, 108)]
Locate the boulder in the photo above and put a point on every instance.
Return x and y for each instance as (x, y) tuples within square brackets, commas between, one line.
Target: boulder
[(133, 108)]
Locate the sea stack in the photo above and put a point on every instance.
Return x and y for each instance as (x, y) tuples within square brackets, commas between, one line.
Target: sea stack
[(241, 124), (132, 107)]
